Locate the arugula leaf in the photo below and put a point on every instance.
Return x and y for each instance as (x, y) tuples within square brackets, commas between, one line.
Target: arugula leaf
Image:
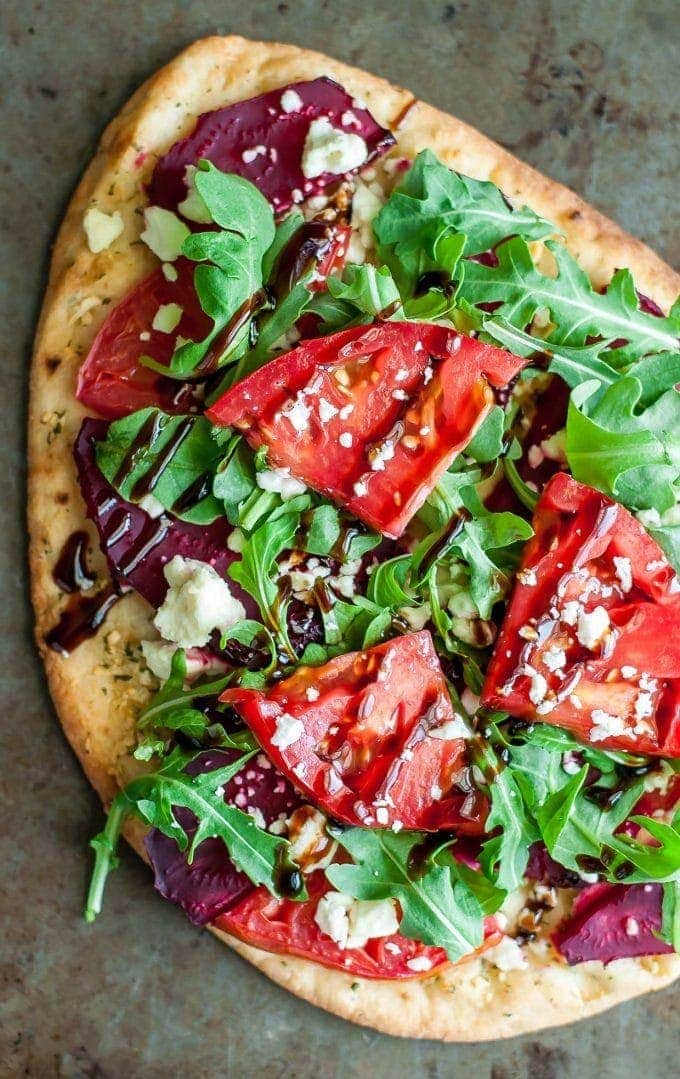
[(323, 530), (234, 254), (194, 458), (152, 798), (366, 289), (572, 363), (438, 905), (504, 857), (487, 443), (254, 571), (388, 584), (234, 480), (578, 312), (433, 199), (632, 455), (670, 927), (661, 863), (573, 826)]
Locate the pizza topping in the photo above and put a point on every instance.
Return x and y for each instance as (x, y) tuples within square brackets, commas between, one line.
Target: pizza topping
[(288, 143), (101, 229), (382, 459), (362, 749), (591, 646), (611, 921), (198, 601)]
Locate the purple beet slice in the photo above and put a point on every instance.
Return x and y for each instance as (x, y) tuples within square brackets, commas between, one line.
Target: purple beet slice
[(212, 884), (613, 921), (137, 546), (261, 141)]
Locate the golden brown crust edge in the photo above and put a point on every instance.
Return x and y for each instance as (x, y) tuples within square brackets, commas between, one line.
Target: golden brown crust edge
[(94, 699)]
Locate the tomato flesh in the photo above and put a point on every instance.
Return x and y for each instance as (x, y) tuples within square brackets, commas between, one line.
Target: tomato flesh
[(356, 735), (112, 380), (282, 925), (590, 640), (371, 416)]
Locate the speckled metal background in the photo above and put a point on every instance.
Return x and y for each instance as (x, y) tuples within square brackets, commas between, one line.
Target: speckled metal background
[(587, 92)]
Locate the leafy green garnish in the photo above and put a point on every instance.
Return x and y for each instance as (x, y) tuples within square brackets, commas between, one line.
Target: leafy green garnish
[(437, 901), (195, 457), (152, 799), (576, 310), (626, 448), (430, 205), (255, 571)]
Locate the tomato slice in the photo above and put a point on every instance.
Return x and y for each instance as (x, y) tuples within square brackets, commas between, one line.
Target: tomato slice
[(371, 416), (366, 737), (590, 640), (112, 381), (281, 925)]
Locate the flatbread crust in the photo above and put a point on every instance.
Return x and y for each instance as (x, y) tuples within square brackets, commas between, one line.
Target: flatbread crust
[(99, 688)]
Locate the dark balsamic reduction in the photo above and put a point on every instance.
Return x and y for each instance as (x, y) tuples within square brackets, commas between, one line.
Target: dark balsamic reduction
[(447, 536), (194, 494), (228, 335), (71, 573), (145, 438), (288, 879), (81, 619), (306, 247), (147, 482), (434, 279)]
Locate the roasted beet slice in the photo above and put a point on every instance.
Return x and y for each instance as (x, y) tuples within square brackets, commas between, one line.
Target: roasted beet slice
[(541, 867), (212, 884), (262, 139), (136, 545), (612, 921)]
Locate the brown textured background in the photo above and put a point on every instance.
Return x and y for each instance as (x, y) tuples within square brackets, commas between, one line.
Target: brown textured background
[(587, 92)]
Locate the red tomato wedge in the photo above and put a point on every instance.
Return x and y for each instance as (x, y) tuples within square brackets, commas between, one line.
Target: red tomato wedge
[(112, 381), (370, 416), (368, 738), (591, 638), (282, 925)]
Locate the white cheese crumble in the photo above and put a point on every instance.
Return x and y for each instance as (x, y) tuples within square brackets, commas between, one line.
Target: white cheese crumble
[(554, 658), (248, 156), (419, 964), (297, 413), (351, 923), (167, 318), (538, 687), (416, 617), (346, 440), (288, 731), (453, 728), (507, 955), (606, 725), (326, 410), (310, 845), (624, 572), (164, 233), (329, 149), (198, 601), (101, 229), (150, 504), (570, 612), (280, 481), (592, 626), (291, 101), (193, 206)]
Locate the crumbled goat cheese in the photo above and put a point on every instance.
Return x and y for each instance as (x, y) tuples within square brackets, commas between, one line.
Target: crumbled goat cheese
[(280, 481), (193, 206), (291, 101), (236, 540), (151, 505), (351, 923), (197, 602), (538, 687), (554, 658), (416, 617), (419, 964), (606, 725), (384, 452), (507, 955), (288, 731), (158, 656), (298, 414), (624, 572), (167, 318), (164, 233), (592, 626), (453, 728), (329, 149), (101, 229), (249, 156), (346, 440), (310, 845), (570, 612), (326, 410), (528, 577), (627, 671)]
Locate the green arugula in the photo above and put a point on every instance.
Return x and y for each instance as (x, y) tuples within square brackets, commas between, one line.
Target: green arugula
[(438, 904), (414, 228), (670, 927), (196, 456), (626, 448), (577, 311), (256, 568), (231, 263), (152, 799)]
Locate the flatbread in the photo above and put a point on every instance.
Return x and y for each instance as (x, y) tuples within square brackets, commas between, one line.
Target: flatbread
[(99, 688)]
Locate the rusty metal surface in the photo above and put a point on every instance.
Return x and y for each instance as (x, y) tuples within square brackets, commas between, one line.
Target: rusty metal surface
[(586, 92)]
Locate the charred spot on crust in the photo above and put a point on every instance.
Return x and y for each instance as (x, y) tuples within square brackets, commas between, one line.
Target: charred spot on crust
[(61, 497), (52, 363)]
